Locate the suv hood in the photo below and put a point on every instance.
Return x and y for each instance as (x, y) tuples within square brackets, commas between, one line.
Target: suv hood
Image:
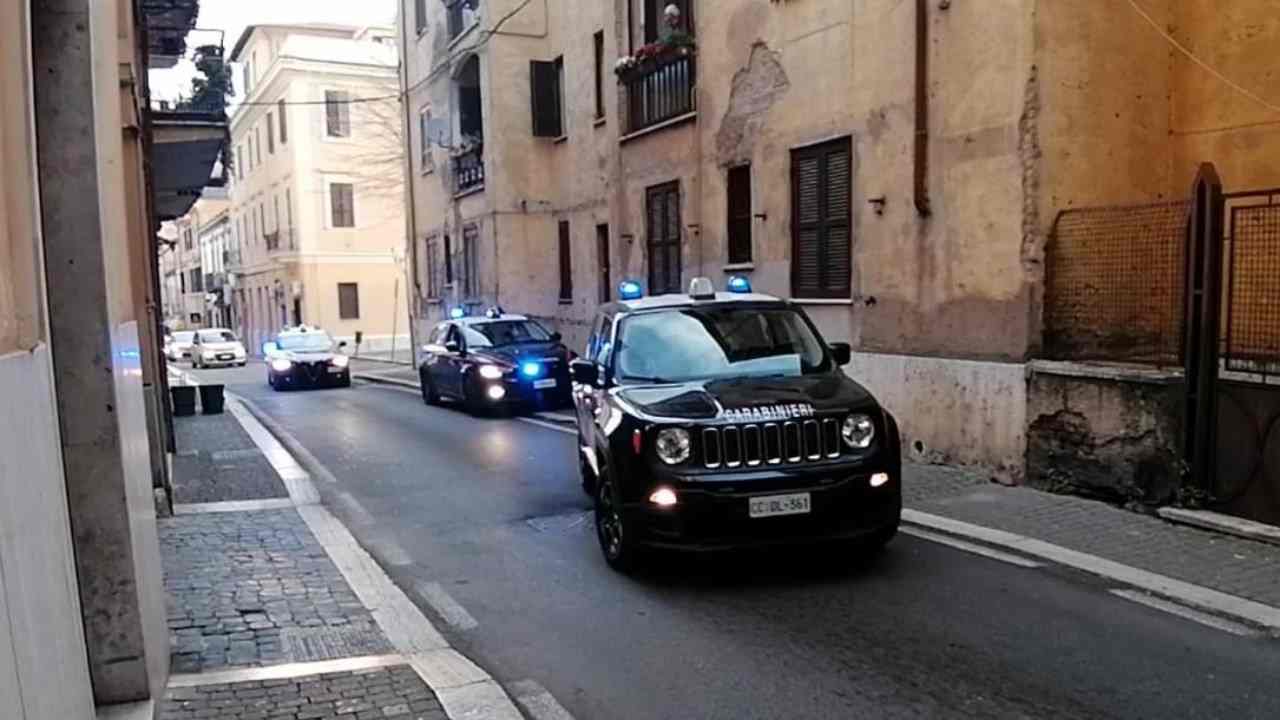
[(513, 354), (307, 356), (763, 398)]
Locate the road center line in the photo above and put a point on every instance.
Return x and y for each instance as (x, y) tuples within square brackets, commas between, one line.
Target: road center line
[(536, 701), (1185, 612), (971, 548), (445, 605)]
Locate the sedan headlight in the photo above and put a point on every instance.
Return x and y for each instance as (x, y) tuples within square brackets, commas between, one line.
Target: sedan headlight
[(490, 372), (281, 364), (858, 431), (340, 361), (673, 445)]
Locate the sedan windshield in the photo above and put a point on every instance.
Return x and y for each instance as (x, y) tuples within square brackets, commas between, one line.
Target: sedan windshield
[(507, 332), (217, 336), (308, 342), (715, 342), (184, 336)]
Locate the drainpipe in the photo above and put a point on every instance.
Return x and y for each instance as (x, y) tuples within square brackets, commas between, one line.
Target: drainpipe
[(920, 159), (412, 245)]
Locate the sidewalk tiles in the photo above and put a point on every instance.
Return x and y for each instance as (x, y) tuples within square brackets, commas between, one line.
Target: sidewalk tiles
[(218, 462)]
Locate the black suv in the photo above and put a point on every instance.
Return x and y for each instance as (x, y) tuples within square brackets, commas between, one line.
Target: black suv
[(718, 420)]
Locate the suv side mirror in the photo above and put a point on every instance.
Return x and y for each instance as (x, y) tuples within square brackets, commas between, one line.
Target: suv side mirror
[(453, 346), (842, 353), (584, 372), (556, 337)]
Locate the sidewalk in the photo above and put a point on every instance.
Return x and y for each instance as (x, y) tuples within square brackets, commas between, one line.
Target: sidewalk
[(376, 371), (274, 610)]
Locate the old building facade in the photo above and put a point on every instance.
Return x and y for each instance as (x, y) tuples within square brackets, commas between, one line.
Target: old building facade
[(317, 209), (894, 167)]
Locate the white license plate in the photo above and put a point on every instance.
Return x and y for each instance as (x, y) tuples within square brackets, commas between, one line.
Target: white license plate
[(773, 505), (544, 384), (334, 370), (225, 357)]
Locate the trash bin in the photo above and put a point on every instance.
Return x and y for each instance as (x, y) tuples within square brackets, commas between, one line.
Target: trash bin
[(211, 399), (184, 400)]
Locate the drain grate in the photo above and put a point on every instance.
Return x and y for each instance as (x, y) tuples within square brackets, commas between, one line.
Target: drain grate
[(306, 644)]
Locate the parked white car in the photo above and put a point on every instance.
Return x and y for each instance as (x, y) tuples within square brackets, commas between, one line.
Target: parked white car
[(217, 347), (179, 346)]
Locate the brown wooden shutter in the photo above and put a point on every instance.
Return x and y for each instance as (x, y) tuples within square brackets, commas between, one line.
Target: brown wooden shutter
[(566, 263), (544, 91), (348, 301), (821, 258), (739, 221)]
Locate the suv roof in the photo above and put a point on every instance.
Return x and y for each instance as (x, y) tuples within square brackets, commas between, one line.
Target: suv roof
[(485, 319), (676, 300), (300, 330)]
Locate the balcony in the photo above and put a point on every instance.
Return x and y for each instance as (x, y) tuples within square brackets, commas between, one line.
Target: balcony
[(468, 170), (659, 90), (462, 15)]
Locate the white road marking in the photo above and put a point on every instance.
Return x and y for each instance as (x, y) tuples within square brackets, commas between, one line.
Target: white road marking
[(549, 426), (1195, 595), (1185, 612), (971, 547), (232, 506), (536, 701), (296, 480), (283, 672), (446, 606)]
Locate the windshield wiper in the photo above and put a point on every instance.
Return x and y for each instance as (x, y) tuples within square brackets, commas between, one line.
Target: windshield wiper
[(643, 379)]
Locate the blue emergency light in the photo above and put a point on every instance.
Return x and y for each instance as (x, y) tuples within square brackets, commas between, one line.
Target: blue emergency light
[(531, 369), (739, 284), (630, 290), (457, 313)]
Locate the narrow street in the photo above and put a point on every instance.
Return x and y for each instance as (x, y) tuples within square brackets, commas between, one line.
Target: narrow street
[(482, 523)]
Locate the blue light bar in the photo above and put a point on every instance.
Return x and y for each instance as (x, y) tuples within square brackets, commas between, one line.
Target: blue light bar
[(739, 284), (457, 313), (531, 369), (630, 290)]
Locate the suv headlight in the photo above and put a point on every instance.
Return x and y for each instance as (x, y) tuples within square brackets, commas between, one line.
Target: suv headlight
[(340, 361), (490, 372), (281, 364), (673, 445), (858, 431)]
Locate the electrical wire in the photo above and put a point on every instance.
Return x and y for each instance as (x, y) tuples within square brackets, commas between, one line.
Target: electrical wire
[(1195, 59)]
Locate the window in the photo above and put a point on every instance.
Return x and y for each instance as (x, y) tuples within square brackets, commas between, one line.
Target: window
[(545, 93), (284, 125), (821, 197), (342, 212), (348, 301), (424, 137), (448, 261), (662, 213), (187, 239), (602, 257), (257, 145), (470, 261), (248, 77), (655, 26), (271, 135), (337, 114), (288, 213), (240, 162), (249, 155), (420, 15), (566, 263), (599, 69), (739, 221), (433, 268)]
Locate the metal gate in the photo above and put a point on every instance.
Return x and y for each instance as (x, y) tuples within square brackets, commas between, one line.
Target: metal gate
[(1233, 348)]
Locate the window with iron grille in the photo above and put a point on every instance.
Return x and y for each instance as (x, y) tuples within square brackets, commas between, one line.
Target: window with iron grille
[(342, 212), (739, 221), (821, 207), (662, 211), (348, 301), (284, 125), (566, 263), (337, 113)]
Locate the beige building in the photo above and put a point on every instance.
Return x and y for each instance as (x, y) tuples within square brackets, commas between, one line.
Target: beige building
[(88, 170), (317, 207), (192, 264), (895, 167)]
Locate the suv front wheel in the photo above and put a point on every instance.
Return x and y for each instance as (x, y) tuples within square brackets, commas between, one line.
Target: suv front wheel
[(619, 548)]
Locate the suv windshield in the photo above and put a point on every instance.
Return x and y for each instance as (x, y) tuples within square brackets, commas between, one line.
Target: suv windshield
[(702, 343), (507, 332), (306, 342), (216, 336)]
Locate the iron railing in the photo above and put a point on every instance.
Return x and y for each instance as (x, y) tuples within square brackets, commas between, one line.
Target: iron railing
[(1251, 301), (659, 91), (468, 170)]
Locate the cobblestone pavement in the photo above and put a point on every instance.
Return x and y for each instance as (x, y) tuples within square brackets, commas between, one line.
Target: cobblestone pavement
[(255, 588), (1232, 565), (390, 692), (217, 461)]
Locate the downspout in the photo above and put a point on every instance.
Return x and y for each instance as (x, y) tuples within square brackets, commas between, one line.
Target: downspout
[(412, 245), (920, 158)]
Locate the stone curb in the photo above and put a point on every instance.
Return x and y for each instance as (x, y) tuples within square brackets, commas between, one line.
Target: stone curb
[(1225, 524)]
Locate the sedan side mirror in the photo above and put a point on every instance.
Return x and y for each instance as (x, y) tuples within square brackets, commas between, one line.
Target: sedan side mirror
[(842, 353), (342, 344), (453, 346), (584, 372)]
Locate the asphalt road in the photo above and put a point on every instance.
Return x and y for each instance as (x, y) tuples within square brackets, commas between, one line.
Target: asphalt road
[(489, 513)]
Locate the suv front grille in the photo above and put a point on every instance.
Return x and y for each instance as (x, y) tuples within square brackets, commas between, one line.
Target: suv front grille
[(773, 443)]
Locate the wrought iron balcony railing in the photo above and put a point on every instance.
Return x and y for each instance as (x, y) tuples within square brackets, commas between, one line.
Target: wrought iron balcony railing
[(468, 170), (660, 90)]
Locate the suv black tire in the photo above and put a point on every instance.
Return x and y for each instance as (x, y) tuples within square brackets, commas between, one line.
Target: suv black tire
[(620, 551)]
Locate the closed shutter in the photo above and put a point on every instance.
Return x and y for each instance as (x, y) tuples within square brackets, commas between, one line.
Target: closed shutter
[(544, 96), (663, 212), (348, 301), (566, 263), (284, 122), (821, 259), (341, 205), (739, 221)]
